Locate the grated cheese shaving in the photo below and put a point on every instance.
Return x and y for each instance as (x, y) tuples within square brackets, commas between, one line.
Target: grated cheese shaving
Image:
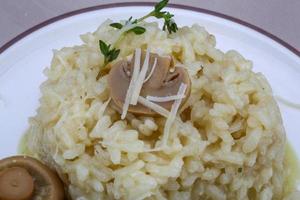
[(140, 80), (157, 108), (135, 74), (152, 70), (172, 115), (165, 99)]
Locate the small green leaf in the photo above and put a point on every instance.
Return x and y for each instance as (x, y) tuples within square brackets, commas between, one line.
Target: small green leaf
[(174, 27), (137, 30), (130, 21), (114, 54), (169, 23), (159, 15), (103, 47), (168, 15), (130, 18), (159, 6), (116, 25), (109, 55), (164, 26)]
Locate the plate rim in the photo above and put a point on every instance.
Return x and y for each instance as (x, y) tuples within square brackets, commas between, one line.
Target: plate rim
[(27, 32)]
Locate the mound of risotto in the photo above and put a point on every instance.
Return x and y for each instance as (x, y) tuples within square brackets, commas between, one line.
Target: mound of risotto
[(158, 114)]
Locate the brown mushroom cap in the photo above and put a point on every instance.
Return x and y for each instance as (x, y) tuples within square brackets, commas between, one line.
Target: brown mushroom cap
[(165, 81), (47, 185)]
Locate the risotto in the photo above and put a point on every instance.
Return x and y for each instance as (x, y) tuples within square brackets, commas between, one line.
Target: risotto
[(226, 141)]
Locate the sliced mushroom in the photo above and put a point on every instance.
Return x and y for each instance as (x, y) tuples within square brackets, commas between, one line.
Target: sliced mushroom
[(25, 178), (165, 81)]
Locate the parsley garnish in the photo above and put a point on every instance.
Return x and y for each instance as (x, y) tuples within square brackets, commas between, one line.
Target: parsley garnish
[(109, 54)]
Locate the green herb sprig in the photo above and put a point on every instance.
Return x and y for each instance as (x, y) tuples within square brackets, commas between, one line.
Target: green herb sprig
[(109, 53), (169, 23)]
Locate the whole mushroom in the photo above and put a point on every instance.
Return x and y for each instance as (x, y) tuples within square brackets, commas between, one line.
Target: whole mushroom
[(25, 178), (165, 81)]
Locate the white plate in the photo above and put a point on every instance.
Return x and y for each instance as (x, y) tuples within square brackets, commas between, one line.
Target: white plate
[(22, 64)]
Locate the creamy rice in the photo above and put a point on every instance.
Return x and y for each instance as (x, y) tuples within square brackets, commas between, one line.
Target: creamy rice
[(229, 146)]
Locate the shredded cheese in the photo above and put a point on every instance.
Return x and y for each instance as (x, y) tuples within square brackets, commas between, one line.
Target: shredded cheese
[(135, 74), (140, 80), (152, 70), (157, 108), (172, 115), (165, 99)]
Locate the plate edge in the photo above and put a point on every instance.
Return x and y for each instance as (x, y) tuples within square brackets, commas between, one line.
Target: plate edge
[(127, 4)]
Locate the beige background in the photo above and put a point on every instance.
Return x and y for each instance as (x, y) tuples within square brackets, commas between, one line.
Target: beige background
[(279, 17)]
